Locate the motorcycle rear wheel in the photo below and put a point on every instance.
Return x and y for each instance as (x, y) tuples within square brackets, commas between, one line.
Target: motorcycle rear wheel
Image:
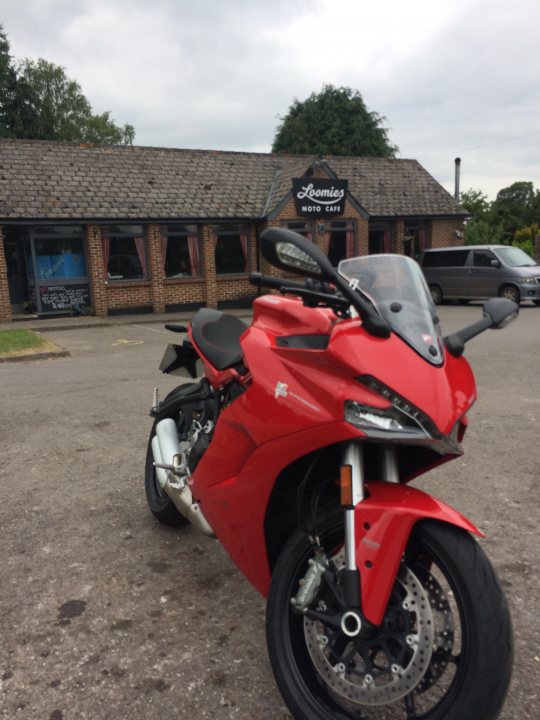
[(466, 659), (158, 501)]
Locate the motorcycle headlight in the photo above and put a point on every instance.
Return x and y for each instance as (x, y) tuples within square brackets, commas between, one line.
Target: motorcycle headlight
[(377, 422)]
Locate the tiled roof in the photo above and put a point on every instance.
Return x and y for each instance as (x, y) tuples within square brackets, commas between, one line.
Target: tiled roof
[(42, 180)]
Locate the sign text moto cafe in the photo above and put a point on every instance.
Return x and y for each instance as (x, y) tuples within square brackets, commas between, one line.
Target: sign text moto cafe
[(318, 197)]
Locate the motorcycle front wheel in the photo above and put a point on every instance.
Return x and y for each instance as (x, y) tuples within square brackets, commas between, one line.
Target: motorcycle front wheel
[(443, 651)]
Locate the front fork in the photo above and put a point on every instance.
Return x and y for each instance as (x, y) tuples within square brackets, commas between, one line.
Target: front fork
[(353, 476)]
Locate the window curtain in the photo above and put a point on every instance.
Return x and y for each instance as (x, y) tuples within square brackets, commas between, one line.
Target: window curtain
[(327, 239), (194, 256), (106, 254), (349, 241), (244, 244), (421, 239), (164, 243), (387, 242), (139, 244)]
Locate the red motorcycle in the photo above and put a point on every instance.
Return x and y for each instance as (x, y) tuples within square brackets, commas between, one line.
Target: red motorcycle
[(296, 449)]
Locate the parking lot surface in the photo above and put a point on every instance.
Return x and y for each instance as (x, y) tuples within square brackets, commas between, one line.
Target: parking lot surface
[(106, 614)]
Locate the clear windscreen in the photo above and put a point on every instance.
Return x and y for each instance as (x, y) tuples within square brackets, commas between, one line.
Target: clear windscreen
[(398, 290)]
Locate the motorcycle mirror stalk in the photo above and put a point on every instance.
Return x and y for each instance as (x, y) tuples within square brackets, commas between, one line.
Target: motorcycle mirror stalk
[(497, 314)]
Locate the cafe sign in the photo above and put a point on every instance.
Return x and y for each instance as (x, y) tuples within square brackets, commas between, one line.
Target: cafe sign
[(318, 197)]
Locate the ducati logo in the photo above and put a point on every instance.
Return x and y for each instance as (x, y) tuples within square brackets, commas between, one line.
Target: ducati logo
[(282, 390)]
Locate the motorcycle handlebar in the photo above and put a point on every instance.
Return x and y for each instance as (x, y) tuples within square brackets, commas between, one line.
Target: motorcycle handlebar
[(260, 280)]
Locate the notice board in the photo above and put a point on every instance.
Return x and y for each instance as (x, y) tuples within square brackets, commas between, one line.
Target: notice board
[(55, 298)]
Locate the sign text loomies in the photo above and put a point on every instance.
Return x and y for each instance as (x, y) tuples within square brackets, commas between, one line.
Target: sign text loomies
[(318, 197)]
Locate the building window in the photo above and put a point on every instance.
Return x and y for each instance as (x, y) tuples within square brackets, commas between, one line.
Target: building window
[(302, 228), (59, 252), (380, 240), (417, 237), (124, 252), (180, 251), (231, 251), (340, 240)]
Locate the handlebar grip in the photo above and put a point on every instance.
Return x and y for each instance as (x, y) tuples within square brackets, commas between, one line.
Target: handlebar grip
[(260, 280)]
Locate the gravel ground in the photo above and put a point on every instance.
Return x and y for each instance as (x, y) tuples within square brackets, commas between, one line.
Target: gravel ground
[(106, 614)]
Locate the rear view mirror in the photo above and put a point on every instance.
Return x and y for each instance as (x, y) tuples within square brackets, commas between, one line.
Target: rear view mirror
[(291, 252), (495, 263), (501, 311), (497, 313)]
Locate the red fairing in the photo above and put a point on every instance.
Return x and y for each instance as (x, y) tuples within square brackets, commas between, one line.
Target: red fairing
[(384, 522), (294, 405)]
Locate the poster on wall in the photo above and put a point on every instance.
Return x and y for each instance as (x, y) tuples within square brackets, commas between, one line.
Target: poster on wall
[(57, 298), (319, 197)]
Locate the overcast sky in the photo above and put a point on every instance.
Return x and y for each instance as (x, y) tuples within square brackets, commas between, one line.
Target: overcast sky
[(452, 77)]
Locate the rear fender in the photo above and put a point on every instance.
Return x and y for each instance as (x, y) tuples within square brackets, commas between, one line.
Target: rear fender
[(384, 521)]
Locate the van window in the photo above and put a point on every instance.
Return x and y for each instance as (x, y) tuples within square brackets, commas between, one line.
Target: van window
[(515, 257), (483, 258), (445, 258)]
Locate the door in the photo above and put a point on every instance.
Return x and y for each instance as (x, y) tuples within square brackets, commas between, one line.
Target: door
[(484, 276), (16, 271)]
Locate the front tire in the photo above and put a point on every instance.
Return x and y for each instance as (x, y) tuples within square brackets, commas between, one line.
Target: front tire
[(460, 621), (510, 292)]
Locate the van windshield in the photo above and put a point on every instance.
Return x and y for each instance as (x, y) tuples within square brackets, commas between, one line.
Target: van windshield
[(515, 257), (397, 288)]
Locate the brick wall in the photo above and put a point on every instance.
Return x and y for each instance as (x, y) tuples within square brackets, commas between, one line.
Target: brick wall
[(443, 232), (5, 307), (96, 271)]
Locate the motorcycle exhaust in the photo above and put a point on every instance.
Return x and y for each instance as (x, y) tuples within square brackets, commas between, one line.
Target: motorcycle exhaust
[(172, 474)]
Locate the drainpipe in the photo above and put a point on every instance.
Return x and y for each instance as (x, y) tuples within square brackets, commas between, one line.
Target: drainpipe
[(456, 184)]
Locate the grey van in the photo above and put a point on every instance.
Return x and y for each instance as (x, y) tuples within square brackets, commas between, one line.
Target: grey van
[(481, 271)]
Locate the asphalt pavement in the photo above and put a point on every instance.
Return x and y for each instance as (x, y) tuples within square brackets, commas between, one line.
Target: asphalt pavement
[(106, 614)]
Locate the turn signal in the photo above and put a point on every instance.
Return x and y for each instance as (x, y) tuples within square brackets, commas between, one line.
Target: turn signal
[(345, 482)]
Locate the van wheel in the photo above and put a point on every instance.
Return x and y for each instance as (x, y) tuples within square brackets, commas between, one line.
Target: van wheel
[(436, 294), (510, 292)]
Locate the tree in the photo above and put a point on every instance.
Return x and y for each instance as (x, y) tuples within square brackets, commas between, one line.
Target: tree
[(480, 232), (525, 238), (38, 101), (515, 207), (335, 121), (475, 202), (8, 79)]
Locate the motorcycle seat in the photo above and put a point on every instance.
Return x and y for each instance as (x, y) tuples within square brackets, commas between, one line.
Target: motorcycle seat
[(217, 335)]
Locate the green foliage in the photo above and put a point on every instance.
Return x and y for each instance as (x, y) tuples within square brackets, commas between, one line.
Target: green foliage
[(515, 206), (335, 121), (475, 202), (513, 218), (480, 232), (524, 238), (39, 102)]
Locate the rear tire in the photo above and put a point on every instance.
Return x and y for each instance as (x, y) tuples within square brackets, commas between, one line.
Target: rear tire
[(510, 292), (158, 501), (465, 631), (436, 294)]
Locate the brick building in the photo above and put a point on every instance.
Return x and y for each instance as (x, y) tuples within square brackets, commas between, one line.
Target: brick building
[(134, 229)]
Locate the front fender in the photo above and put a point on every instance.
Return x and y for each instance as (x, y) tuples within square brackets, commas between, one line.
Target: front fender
[(383, 523)]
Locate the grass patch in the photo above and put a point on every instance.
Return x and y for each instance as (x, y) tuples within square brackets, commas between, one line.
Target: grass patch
[(14, 342)]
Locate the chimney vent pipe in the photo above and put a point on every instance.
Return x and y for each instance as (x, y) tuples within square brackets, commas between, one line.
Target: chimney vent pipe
[(457, 178)]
